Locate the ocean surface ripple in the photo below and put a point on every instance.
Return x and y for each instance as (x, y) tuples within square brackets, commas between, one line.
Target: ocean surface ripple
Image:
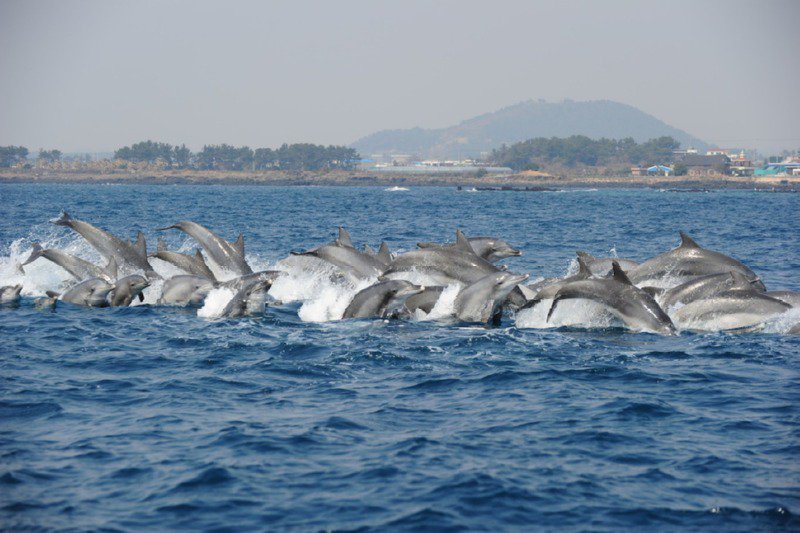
[(155, 418)]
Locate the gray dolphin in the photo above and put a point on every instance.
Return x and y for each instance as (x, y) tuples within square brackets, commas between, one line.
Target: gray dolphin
[(250, 299), (90, 293), (78, 268), (548, 291), (491, 249), (425, 301), (689, 260), (227, 255), (237, 284), (185, 290), (191, 264), (790, 297), (733, 309), (702, 287), (348, 259), (457, 263), (126, 289), (601, 266), (794, 330), (45, 303), (110, 246), (631, 304), (10, 294), (344, 238), (481, 301), (381, 300)]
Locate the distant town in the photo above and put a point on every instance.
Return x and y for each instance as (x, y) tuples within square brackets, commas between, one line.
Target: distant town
[(543, 158)]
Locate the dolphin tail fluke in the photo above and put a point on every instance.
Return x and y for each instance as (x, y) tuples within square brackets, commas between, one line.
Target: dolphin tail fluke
[(63, 220), (344, 238), (140, 245), (618, 274), (36, 253), (384, 254), (688, 242)]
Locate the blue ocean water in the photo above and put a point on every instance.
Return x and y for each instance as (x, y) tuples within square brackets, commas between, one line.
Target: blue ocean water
[(156, 418)]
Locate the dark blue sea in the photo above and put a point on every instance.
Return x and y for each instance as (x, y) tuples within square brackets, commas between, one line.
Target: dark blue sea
[(155, 418)]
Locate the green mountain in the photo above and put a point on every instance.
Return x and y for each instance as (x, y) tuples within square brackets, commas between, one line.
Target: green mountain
[(525, 120)]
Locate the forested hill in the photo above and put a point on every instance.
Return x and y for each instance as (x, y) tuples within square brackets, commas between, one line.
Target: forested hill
[(525, 120)]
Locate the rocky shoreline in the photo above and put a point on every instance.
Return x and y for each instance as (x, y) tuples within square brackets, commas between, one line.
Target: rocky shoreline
[(520, 182)]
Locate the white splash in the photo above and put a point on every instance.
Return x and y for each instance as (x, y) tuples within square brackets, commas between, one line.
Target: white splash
[(215, 303)]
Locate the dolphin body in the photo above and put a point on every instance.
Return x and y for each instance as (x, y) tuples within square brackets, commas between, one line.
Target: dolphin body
[(425, 301), (601, 266), (631, 304), (77, 267), (702, 287), (185, 290), (126, 289), (455, 264), (491, 249), (549, 291), (790, 297), (730, 310), (191, 264), (482, 301), (249, 300), (110, 246), (90, 293), (383, 299), (689, 260), (347, 258), (10, 294), (229, 256)]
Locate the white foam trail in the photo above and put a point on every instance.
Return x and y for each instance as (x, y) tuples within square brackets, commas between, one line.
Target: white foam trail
[(573, 313), (783, 322), (215, 303), (445, 305)]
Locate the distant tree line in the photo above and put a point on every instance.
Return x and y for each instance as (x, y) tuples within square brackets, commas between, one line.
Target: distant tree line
[(301, 156), (581, 150), (11, 155)]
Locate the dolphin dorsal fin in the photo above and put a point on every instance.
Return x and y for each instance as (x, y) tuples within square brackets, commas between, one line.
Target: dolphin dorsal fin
[(141, 245), (583, 268), (344, 238), (585, 256), (111, 269), (161, 245), (384, 254), (618, 274), (368, 250), (740, 281), (688, 242), (239, 244), (462, 243)]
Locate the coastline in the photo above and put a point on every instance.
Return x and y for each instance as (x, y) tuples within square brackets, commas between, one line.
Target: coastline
[(364, 178)]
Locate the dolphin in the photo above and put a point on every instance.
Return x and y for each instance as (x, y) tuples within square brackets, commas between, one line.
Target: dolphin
[(491, 249), (794, 330), (126, 289), (110, 246), (229, 256), (702, 287), (237, 284), (383, 299), (601, 266), (790, 297), (548, 291), (45, 303), (10, 294), (457, 263), (424, 301), (732, 309), (249, 300), (631, 304), (185, 290), (369, 250), (191, 264), (384, 255), (482, 300), (344, 238), (90, 293), (348, 259), (77, 267), (688, 260)]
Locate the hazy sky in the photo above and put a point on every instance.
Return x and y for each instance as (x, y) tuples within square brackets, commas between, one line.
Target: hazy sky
[(97, 75)]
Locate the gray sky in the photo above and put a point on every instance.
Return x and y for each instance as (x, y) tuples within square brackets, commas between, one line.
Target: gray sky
[(97, 75)]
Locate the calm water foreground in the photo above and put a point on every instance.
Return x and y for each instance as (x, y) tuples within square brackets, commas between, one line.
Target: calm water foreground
[(156, 418)]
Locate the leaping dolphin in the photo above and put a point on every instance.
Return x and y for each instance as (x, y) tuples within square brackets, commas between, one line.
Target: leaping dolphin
[(631, 304), (383, 299), (689, 260), (730, 310), (185, 290), (482, 300), (227, 255), (110, 246), (77, 267), (702, 287), (90, 293), (10, 294), (191, 264), (491, 249), (126, 289), (601, 266)]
